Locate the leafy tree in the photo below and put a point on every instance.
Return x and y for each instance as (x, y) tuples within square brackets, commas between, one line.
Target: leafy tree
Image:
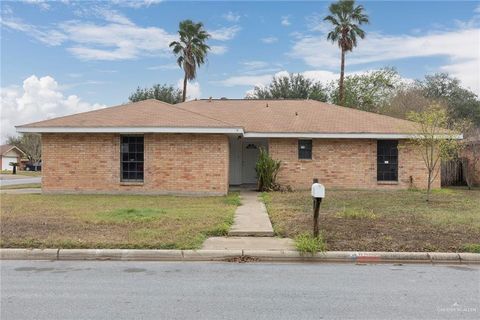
[(165, 93), (371, 91), (294, 86), (29, 143), (461, 103), (345, 18), (191, 49), (405, 100), (433, 141)]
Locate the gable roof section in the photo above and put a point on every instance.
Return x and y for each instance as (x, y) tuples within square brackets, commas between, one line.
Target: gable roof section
[(251, 118), (143, 116), (7, 147)]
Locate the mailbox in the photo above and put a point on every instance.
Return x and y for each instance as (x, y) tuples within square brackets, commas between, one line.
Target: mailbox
[(318, 190)]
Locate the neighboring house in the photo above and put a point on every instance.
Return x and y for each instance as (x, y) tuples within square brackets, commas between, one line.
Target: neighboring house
[(203, 146), (10, 154)]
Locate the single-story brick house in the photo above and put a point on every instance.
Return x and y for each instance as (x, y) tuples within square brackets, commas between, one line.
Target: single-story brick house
[(204, 146)]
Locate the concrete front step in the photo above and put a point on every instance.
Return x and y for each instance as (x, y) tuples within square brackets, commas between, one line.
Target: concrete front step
[(250, 233)]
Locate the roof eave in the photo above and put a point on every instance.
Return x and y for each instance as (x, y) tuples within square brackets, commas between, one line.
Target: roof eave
[(129, 130), (353, 135)]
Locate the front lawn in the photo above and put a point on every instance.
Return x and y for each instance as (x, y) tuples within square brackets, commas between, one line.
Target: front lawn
[(383, 220), (113, 221), (22, 186)]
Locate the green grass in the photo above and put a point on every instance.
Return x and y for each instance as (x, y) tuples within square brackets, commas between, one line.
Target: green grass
[(374, 220), (356, 213), (23, 173), (131, 214), (307, 243), (471, 247), (22, 186), (113, 221)]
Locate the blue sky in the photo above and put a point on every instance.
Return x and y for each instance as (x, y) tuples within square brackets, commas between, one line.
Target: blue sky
[(65, 57)]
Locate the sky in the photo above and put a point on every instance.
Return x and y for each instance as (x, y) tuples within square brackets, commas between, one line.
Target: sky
[(68, 56)]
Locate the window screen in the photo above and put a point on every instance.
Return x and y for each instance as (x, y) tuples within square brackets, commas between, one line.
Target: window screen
[(387, 160), (304, 149), (131, 158)]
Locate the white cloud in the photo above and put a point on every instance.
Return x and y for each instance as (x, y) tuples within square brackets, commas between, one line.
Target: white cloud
[(218, 50), (118, 39), (38, 99), (225, 33), (461, 47), (164, 67), (42, 4), (193, 89), (231, 16), (113, 16), (255, 64), (250, 80), (48, 37), (135, 3), (269, 40), (285, 21), (315, 22), (323, 76)]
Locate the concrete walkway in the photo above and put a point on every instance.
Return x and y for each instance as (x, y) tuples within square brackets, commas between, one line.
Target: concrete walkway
[(251, 218)]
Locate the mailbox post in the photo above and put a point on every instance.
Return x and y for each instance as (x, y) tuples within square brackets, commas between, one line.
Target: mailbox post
[(318, 193)]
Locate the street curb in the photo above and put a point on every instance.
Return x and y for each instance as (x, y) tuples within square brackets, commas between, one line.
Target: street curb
[(222, 255)]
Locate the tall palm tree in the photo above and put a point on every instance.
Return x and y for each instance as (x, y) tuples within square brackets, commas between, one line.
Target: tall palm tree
[(191, 49), (345, 18)]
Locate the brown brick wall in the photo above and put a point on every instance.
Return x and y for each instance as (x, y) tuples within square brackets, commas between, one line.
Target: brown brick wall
[(345, 164), (174, 163)]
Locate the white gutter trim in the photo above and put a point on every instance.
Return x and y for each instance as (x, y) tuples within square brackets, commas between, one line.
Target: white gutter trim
[(297, 135), (128, 130), (379, 136)]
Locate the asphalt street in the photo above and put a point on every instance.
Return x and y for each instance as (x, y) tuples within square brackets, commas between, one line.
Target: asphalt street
[(11, 182), (176, 290)]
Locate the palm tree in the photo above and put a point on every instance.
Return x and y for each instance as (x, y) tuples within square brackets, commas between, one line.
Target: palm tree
[(345, 18), (191, 49)]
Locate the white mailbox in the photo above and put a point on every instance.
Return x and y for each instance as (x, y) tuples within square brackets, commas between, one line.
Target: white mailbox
[(318, 190)]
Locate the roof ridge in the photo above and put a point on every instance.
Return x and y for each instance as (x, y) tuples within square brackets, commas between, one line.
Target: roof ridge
[(361, 111), (202, 115)]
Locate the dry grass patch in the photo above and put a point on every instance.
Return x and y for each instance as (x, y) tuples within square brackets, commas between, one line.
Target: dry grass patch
[(383, 220), (113, 221)]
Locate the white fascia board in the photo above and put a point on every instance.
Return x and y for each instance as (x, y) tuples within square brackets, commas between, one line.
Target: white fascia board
[(128, 130), (378, 136)]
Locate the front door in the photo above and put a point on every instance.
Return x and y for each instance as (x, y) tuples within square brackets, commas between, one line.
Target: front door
[(251, 151)]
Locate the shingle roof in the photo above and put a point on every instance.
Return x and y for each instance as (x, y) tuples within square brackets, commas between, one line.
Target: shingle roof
[(298, 116), (267, 116), (7, 147), (147, 113)]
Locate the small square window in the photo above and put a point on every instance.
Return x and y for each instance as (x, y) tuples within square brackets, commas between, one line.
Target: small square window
[(304, 149)]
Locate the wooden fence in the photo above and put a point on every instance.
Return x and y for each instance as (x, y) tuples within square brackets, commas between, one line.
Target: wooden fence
[(452, 173)]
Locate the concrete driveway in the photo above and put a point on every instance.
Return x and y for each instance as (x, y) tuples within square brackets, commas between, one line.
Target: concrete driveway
[(11, 180)]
